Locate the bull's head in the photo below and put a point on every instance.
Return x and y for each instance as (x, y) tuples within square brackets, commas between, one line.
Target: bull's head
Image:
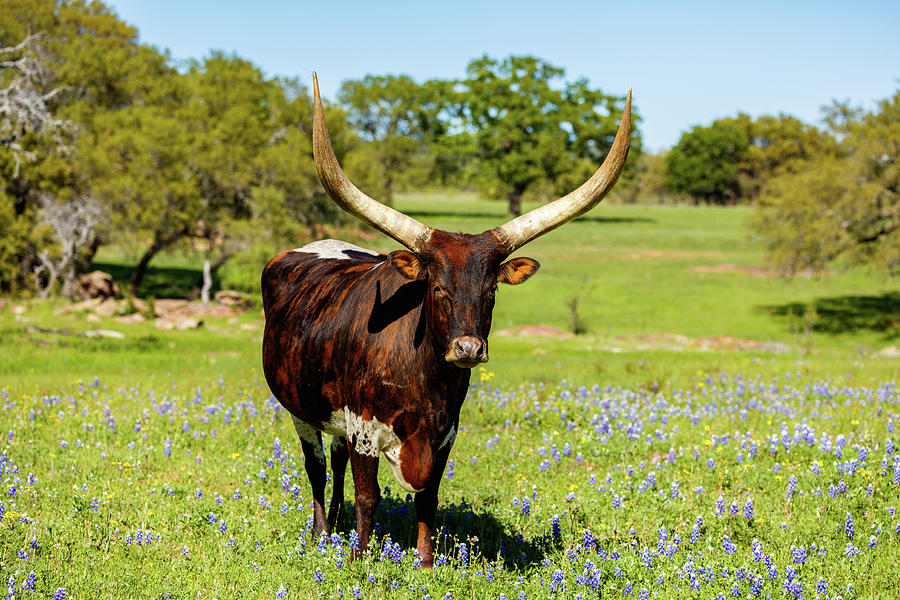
[(462, 271)]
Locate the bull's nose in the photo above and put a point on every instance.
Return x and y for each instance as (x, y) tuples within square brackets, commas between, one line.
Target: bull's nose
[(467, 351)]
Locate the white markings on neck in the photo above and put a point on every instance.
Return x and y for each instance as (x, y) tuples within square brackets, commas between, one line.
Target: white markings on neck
[(335, 249)]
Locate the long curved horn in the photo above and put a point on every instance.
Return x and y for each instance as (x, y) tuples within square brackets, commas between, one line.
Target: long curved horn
[(521, 230), (405, 230)]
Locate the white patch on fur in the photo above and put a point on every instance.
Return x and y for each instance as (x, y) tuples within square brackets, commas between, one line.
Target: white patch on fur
[(369, 437), (310, 435), (449, 438), (335, 249)]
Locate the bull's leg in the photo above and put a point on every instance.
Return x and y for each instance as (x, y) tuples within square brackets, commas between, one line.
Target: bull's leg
[(367, 494), (339, 458), (426, 504), (314, 459)]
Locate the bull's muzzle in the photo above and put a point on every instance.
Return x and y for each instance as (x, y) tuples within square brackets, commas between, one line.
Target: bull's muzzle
[(467, 351)]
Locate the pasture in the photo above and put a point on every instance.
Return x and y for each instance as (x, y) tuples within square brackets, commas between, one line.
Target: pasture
[(715, 431)]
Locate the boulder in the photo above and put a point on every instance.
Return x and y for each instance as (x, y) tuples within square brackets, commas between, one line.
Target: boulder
[(98, 284)]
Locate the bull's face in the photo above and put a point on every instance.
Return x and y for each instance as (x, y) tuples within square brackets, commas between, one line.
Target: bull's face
[(462, 272)]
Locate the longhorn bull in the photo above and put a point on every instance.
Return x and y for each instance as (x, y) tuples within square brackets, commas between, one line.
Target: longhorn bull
[(376, 350)]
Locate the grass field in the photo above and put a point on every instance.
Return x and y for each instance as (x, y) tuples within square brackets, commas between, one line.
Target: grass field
[(645, 458)]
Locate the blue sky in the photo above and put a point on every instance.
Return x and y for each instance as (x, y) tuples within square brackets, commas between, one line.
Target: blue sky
[(688, 62)]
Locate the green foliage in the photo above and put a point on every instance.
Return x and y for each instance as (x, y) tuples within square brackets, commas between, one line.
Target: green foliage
[(778, 145), (845, 205), (527, 131), (399, 117), (243, 272), (705, 163), (14, 242)]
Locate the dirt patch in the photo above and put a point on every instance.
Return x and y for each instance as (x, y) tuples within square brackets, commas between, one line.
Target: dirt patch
[(166, 313), (669, 254), (680, 343), (535, 331), (756, 272)]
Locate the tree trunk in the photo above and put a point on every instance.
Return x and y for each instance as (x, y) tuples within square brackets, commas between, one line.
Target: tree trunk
[(207, 282), (137, 276), (197, 290), (515, 202)]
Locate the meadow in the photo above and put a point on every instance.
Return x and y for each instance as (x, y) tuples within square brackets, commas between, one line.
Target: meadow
[(713, 431)]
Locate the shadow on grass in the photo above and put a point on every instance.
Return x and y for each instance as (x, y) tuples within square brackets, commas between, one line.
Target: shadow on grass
[(439, 214), (159, 282), (845, 314), (482, 533)]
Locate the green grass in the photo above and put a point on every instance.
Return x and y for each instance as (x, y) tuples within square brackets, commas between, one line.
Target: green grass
[(119, 435), (640, 273)]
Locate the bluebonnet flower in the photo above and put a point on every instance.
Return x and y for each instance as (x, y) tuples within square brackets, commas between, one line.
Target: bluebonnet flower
[(588, 540), (60, 594), (281, 593), (757, 550), (720, 506), (850, 551), (317, 575), (798, 555), (30, 582), (463, 554), (557, 531), (748, 509), (728, 546), (872, 541), (848, 526), (526, 506)]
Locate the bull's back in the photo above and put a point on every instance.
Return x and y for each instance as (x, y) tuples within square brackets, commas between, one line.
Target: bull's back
[(316, 299)]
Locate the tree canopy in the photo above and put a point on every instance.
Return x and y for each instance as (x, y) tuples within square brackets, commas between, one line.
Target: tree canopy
[(840, 204), (529, 130)]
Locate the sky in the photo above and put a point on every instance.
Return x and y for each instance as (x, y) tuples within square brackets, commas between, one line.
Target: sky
[(688, 63)]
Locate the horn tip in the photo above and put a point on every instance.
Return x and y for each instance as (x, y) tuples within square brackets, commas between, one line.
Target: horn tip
[(315, 85)]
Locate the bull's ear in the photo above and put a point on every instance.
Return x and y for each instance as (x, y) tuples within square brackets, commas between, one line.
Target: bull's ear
[(517, 270), (408, 264)]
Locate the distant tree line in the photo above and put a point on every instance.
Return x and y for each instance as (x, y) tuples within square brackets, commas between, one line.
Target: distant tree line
[(820, 193), (104, 140)]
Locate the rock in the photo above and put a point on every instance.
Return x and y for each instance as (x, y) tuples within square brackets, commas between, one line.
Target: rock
[(18, 309), (890, 352), (164, 325), (89, 304), (188, 323), (237, 300), (92, 318), (132, 318), (107, 308), (98, 284), (107, 333)]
